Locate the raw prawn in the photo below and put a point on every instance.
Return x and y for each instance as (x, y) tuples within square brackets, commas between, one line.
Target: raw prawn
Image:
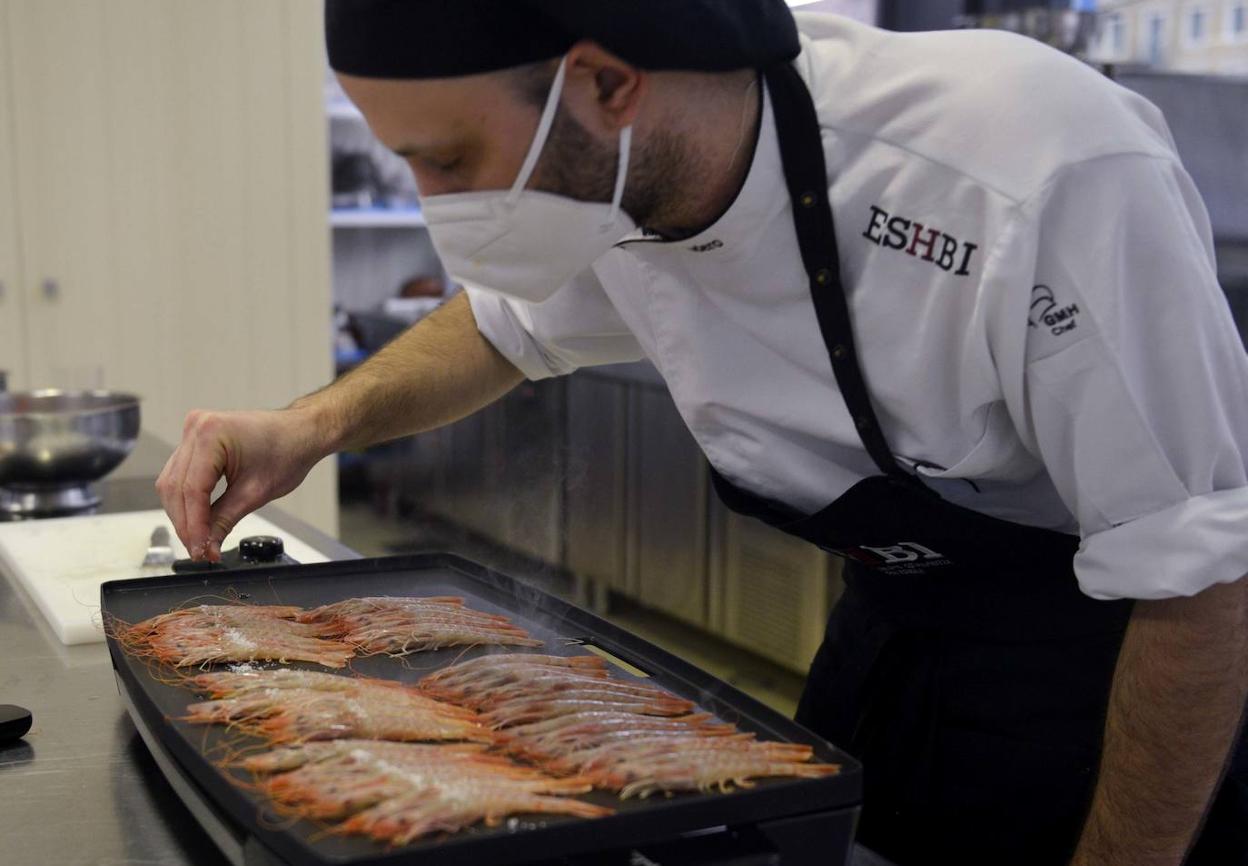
[(400, 792), (517, 679), (232, 633), (521, 710), (497, 661), (688, 761), (557, 686), (295, 706), (399, 626), (347, 607), (554, 738), (282, 759), (709, 765), (231, 683), (594, 758)]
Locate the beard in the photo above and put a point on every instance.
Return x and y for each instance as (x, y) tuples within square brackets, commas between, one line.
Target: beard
[(579, 166)]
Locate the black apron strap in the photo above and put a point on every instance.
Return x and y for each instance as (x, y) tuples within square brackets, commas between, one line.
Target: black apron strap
[(806, 176)]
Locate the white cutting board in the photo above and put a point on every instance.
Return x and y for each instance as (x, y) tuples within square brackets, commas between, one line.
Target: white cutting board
[(61, 562)]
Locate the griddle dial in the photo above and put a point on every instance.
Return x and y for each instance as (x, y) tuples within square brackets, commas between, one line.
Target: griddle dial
[(261, 548)]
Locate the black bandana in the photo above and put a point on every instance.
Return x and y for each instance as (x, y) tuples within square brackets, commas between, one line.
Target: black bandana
[(445, 38)]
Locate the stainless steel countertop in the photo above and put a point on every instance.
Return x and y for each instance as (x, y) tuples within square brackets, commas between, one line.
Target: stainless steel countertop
[(81, 787)]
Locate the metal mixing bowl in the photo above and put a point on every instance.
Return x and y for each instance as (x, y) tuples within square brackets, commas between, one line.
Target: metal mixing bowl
[(54, 443)]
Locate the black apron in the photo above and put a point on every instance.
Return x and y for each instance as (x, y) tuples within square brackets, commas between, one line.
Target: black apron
[(962, 665)]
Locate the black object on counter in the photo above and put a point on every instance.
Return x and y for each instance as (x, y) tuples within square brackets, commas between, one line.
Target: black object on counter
[(15, 722), (797, 822), (254, 551)]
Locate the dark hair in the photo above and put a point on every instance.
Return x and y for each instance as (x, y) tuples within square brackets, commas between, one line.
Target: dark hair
[(533, 80)]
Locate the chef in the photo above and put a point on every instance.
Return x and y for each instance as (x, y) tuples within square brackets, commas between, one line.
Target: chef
[(942, 304)]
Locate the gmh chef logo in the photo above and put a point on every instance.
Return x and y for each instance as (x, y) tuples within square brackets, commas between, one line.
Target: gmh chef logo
[(927, 244), (1048, 313)]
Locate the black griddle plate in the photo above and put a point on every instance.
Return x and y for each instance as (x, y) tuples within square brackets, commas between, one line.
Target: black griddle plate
[(545, 617)]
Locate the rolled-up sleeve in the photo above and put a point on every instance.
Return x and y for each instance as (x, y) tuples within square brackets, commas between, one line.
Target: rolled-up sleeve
[(1134, 388), (576, 327)]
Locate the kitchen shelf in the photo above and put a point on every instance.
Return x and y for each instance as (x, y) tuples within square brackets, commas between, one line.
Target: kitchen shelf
[(362, 218)]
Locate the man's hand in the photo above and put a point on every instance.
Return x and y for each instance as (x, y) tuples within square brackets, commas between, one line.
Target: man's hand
[(1177, 702), (261, 455), (436, 372)]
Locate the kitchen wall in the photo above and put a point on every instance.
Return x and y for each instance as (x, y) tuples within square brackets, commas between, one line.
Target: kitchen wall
[(1208, 117), (169, 211)]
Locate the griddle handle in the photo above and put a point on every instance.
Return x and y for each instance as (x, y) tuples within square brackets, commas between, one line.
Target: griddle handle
[(255, 551), (191, 566), (729, 847)]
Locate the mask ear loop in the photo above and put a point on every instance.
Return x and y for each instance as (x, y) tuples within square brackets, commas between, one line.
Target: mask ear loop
[(621, 177), (539, 139)]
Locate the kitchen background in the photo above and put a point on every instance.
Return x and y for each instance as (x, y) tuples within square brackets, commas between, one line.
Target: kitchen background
[(191, 210)]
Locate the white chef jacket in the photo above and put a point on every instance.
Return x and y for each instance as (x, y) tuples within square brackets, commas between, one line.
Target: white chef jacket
[(1032, 287)]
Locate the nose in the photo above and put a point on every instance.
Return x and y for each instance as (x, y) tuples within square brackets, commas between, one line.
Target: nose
[(427, 185)]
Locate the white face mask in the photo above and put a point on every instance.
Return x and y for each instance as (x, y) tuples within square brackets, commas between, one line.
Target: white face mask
[(522, 243)]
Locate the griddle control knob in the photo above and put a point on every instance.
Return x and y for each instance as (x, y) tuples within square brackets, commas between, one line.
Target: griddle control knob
[(261, 548)]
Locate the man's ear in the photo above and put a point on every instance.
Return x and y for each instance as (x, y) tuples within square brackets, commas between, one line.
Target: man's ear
[(603, 90)]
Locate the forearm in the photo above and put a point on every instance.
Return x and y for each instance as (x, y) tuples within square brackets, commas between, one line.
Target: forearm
[(437, 372), (1177, 700)]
